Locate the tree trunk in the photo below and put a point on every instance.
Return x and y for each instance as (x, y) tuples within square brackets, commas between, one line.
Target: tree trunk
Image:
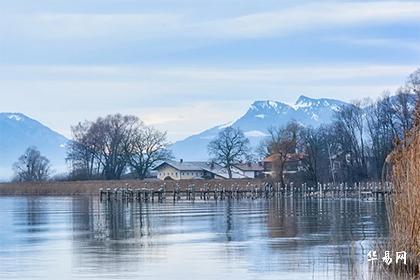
[(229, 172), (281, 169)]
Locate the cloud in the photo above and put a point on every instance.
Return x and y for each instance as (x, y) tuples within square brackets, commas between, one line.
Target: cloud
[(301, 74), (393, 43), (312, 16), (72, 26), (174, 98), (139, 26), (196, 57), (157, 73)]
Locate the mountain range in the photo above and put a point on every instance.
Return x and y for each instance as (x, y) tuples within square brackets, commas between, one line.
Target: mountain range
[(260, 116), (18, 132)]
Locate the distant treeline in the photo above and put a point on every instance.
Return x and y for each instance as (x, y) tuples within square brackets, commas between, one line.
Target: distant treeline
[(354, 147)]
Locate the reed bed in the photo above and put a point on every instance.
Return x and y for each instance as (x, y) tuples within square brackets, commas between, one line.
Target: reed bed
[(403, 206), (92, 187)]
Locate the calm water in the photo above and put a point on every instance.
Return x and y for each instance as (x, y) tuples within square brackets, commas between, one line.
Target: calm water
[(81, 238)]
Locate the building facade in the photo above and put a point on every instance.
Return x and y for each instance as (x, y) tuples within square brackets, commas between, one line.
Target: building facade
[(250, 169), (184, 170), (293, 165)]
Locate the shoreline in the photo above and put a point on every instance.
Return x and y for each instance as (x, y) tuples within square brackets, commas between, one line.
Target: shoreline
[(75, 188)]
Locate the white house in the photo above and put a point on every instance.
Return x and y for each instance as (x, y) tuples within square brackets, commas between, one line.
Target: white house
[(250, 169), (181, 170)]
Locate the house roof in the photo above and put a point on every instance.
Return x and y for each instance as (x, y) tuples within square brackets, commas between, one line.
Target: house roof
[(182, 166), (249, 166), (290, 157), (200, 166)]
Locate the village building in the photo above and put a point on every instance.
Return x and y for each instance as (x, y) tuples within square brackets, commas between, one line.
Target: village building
[(250, 169), (293, 165), (184, 170)]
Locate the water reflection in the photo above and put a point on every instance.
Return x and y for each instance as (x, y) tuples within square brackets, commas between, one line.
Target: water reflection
[(265, 239), (32, 219)]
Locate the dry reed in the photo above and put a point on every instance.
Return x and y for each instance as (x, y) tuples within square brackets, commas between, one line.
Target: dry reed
[(92, 187), (403, 205)]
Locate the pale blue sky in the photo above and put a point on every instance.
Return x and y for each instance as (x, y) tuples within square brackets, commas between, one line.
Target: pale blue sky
[(186, 65)]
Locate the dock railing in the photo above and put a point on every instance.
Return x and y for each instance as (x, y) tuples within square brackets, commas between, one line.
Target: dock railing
[(360, 190)]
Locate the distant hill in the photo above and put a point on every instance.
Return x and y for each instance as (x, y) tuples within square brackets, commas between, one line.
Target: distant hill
[(18, 132), (260, 116)]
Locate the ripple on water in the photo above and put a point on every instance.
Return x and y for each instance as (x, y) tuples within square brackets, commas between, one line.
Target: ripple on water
[(79, 237)]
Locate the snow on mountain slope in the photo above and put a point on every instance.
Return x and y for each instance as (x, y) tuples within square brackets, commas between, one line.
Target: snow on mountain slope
[(260, 116), (17, 131)]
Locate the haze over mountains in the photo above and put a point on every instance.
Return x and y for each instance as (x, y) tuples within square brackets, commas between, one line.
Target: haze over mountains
[(17, 131), (260, 116)]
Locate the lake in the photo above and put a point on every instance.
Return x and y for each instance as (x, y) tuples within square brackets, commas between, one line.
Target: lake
[(281, 238)]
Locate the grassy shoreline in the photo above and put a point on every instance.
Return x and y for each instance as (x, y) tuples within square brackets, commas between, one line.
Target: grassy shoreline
[(60, 188)]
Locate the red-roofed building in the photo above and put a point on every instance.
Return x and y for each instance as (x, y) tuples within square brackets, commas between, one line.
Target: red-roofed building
[(292, 166)]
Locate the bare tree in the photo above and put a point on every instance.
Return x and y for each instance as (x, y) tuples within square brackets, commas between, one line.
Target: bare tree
[(315, 144), (381, 130), (107, 147), (413, 83), (280, 143), (404, 109), (350, 126), (229, 148), (146, 147), (82, 153), (112, 134), (32, 166), (98, 147)]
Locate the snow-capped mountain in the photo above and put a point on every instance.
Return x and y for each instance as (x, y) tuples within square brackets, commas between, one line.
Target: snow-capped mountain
[(260, 116), (18, 132)]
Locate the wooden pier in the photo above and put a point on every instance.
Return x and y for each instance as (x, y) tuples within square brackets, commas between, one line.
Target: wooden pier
[(361, 190)]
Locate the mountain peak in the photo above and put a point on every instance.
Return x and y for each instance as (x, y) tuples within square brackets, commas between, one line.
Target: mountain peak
[(13, 116), (306, 102), (267, 105), (260, 116), (304, 99)]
